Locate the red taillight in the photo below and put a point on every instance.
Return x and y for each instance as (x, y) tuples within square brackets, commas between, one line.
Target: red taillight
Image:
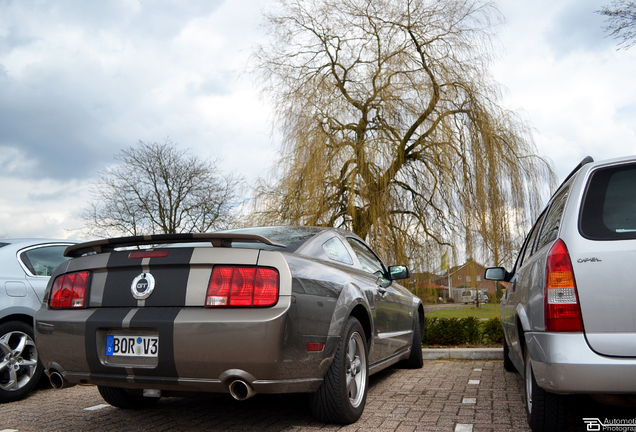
[(69, 290), (562, 310), (242, 286)]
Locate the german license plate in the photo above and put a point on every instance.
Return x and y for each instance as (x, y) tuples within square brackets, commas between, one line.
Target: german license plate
[(132, 346)]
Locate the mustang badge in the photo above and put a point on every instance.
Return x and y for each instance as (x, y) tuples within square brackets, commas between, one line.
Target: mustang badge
[(142, 286)]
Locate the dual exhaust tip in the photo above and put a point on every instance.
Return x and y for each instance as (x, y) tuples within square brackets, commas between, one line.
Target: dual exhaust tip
[(239, 389)]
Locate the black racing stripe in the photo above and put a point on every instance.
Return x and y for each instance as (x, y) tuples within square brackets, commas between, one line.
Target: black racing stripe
[(121, 272), (101, 319), (170, 286), (175, 256), (162, 320), (171, 278), (170, 274)]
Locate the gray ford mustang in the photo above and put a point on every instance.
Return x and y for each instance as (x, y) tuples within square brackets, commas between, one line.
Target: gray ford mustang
[(257, 310)]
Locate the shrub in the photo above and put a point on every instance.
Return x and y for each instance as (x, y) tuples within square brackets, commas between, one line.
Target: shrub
[(459, 331), (443, 331), (471, 329), (492, 332), (450, 300)]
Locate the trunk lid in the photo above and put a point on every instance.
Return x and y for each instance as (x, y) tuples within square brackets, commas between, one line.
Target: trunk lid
[(606, 283)]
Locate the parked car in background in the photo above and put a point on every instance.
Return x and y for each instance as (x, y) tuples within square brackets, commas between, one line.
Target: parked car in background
[(257, 310), (470, 296), (25, 268), (568, 310)]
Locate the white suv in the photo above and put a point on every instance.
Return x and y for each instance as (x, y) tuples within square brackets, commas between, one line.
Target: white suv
[(568, 310)]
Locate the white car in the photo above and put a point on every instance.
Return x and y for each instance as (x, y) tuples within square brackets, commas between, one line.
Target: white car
[(25, 268)]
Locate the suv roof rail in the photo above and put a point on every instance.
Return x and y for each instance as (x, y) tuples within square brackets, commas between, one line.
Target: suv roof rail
[(586, 160)]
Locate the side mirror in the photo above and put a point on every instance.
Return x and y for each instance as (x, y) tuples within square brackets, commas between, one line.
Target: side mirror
[(497, 274), (399, 272)]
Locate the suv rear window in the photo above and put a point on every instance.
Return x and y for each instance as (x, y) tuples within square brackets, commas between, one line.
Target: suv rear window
[(609, 205)]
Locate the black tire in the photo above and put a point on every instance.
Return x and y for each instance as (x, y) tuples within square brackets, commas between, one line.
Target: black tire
[(508, 364), (21, 367), (415, 360), (546, 411), (126, 399), (334, 402)]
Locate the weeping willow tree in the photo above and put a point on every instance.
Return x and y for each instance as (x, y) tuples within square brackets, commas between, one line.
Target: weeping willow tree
[(391, 127)]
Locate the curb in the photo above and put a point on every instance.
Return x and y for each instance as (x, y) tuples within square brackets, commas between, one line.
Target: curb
[(463, 353)]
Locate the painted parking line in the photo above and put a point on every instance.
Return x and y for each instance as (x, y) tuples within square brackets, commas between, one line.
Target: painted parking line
[(474, 382), (9, 430), (95, 408), (469, 400), (463, 428)]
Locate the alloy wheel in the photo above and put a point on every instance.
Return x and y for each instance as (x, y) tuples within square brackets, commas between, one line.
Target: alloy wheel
[(356, 365), (18, 360)]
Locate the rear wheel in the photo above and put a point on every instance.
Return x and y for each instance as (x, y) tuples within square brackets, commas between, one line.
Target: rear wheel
[(342, 395), (508, 364), (126, 399), (20, 368), (546, 411)]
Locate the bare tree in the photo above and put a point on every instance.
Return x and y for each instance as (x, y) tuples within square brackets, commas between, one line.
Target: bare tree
[(158, 188), (621, 19), (391, 127)]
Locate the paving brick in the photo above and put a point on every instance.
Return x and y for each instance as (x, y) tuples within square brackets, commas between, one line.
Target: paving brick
[(427, 399)]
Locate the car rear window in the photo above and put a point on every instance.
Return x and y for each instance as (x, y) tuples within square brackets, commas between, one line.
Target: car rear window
[(43, 261), (609, 206)]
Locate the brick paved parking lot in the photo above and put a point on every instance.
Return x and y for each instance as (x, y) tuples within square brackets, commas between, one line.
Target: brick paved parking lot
[(445, 395)]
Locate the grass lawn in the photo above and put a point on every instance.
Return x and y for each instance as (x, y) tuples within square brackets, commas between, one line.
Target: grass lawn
[(483, 311)]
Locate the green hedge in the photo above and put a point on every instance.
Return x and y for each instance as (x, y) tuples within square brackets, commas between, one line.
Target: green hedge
[(459, 331)]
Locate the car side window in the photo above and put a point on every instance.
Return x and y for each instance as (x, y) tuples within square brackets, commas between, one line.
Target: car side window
[(550, 229), (528, 250), (336, 250), (370, 263), (43, 261)]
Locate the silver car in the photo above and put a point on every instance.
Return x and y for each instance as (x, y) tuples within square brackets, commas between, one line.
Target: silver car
[(25, 268), (568, 310), (258, 310)]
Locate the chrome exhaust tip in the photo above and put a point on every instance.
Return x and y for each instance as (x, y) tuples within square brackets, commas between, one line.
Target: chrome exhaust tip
[(57, 380), (240, 390)]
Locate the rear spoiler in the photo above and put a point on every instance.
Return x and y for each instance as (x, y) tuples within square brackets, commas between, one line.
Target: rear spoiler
[(217, 240)]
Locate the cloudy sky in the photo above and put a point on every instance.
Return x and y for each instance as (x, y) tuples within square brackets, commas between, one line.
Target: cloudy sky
[(81, 80)]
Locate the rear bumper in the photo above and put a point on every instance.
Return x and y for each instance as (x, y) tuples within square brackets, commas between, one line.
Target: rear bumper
[(199, 349), (564, 363)]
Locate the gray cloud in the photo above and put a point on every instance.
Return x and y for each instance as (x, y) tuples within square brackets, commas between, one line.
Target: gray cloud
[(77, 78)]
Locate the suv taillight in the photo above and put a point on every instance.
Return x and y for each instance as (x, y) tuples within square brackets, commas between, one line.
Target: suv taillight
[(69, 290), (562, 310), (242, 286)]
